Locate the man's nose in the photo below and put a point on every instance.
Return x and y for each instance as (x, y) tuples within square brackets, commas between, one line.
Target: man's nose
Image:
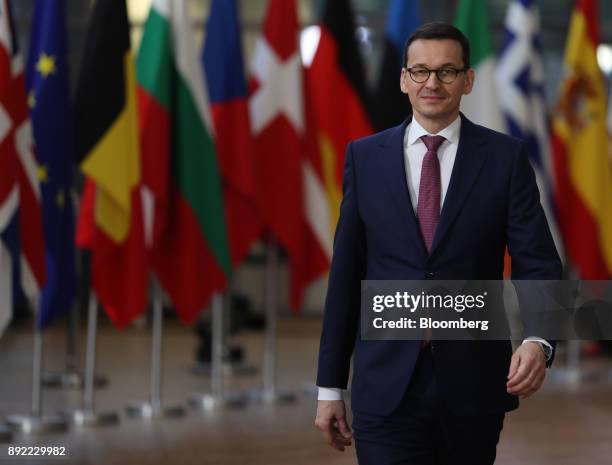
[(432, 81)]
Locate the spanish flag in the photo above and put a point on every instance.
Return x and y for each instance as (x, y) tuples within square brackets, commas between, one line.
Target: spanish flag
[(582, 168), (106, 124)]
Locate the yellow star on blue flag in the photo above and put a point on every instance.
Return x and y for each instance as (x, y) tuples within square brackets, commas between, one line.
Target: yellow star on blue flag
[(45, 64), (51, 116)]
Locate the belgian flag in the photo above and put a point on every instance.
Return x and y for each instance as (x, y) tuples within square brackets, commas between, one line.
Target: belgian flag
[(107, 147)]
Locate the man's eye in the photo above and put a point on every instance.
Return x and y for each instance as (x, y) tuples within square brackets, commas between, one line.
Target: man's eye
[(420, 72), (447, 72)]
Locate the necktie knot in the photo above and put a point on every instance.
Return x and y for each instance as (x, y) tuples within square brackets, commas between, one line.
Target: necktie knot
[(432, 142)]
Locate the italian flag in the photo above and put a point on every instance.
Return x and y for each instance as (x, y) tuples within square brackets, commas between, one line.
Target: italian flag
[(184, 217), (481, 105)]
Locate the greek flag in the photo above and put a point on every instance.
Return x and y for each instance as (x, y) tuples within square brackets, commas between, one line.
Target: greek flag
[(520, 77)]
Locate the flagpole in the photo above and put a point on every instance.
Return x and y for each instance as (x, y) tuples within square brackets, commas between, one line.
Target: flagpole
[(87, 416), (572, 374), (270, 393), (229, 366), (153, 408), (71, 378), (233, 368), (217, 397), (35, 424)]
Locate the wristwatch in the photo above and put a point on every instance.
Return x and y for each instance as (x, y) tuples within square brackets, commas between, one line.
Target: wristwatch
[(546, 349)]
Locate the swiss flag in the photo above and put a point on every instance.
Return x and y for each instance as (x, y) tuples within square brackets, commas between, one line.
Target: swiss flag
[(283, 151)]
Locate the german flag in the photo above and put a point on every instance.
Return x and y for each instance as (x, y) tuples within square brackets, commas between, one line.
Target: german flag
[(579, 140), (107, 147), (337, 94), (391, 106)]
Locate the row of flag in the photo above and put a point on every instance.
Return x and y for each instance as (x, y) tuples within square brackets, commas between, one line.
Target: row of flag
[(187, 163), (567, 146)]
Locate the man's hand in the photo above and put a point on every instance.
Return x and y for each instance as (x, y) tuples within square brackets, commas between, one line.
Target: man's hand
[(527, 370), (331, 421)]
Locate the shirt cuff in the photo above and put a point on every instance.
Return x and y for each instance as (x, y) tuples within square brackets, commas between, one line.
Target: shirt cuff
[(547, 348), (329, 393)]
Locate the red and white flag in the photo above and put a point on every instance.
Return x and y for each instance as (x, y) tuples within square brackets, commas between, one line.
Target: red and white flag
[(19, 184), (290, 190)]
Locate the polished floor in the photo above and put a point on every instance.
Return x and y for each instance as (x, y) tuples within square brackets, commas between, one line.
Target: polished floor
[(561, 425)]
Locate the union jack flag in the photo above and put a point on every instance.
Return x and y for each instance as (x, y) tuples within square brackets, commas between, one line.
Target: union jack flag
[(22, 255)]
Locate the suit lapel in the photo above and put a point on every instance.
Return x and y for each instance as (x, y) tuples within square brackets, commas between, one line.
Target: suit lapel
[(391, 158), (468, 163)]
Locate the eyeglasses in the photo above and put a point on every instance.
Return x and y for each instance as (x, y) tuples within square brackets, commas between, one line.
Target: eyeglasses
[(446, 75)]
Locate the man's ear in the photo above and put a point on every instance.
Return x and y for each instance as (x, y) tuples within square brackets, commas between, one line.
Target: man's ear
[(469, 81), (403, 84)]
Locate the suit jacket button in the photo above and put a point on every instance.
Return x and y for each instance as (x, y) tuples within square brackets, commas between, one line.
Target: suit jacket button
[(429, 274)]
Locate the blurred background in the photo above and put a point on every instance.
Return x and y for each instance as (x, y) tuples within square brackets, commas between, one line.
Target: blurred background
[(170, 179)]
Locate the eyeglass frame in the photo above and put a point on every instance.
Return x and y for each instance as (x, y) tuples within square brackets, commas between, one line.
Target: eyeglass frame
[(436, 71)]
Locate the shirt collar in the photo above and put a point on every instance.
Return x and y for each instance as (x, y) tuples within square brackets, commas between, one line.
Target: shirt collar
[(451, 132)]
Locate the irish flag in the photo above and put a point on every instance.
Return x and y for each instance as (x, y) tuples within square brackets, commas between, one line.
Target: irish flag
[(481, 105), (185, 223)]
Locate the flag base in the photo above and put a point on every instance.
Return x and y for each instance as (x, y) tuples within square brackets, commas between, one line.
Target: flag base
[(273, 397), (227, 368), (90, 419), (33, 425), (573, 377), (147, 411), (70, 380), (209, 402), (5, 435)]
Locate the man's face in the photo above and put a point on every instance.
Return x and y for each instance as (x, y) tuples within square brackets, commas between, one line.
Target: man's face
[(433, 99)]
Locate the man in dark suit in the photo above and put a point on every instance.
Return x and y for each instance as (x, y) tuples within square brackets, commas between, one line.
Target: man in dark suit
[(437, 197)]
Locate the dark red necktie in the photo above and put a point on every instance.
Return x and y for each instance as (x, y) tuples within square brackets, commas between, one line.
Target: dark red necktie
[(428, 207)]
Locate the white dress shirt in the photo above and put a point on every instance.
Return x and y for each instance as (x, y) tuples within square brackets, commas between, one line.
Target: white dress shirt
[(414, 153)]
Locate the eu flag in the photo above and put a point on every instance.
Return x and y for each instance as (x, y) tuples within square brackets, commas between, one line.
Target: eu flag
[(50, 111)]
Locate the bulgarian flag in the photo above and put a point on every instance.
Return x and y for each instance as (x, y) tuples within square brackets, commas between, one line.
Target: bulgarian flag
[(481, 105), (580, 148), (184, 214)]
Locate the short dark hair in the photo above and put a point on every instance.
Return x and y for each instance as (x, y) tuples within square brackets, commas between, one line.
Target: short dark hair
[(439, 31)]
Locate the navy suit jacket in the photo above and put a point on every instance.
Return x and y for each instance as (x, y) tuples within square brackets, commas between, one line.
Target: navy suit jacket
[(492, 201)]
